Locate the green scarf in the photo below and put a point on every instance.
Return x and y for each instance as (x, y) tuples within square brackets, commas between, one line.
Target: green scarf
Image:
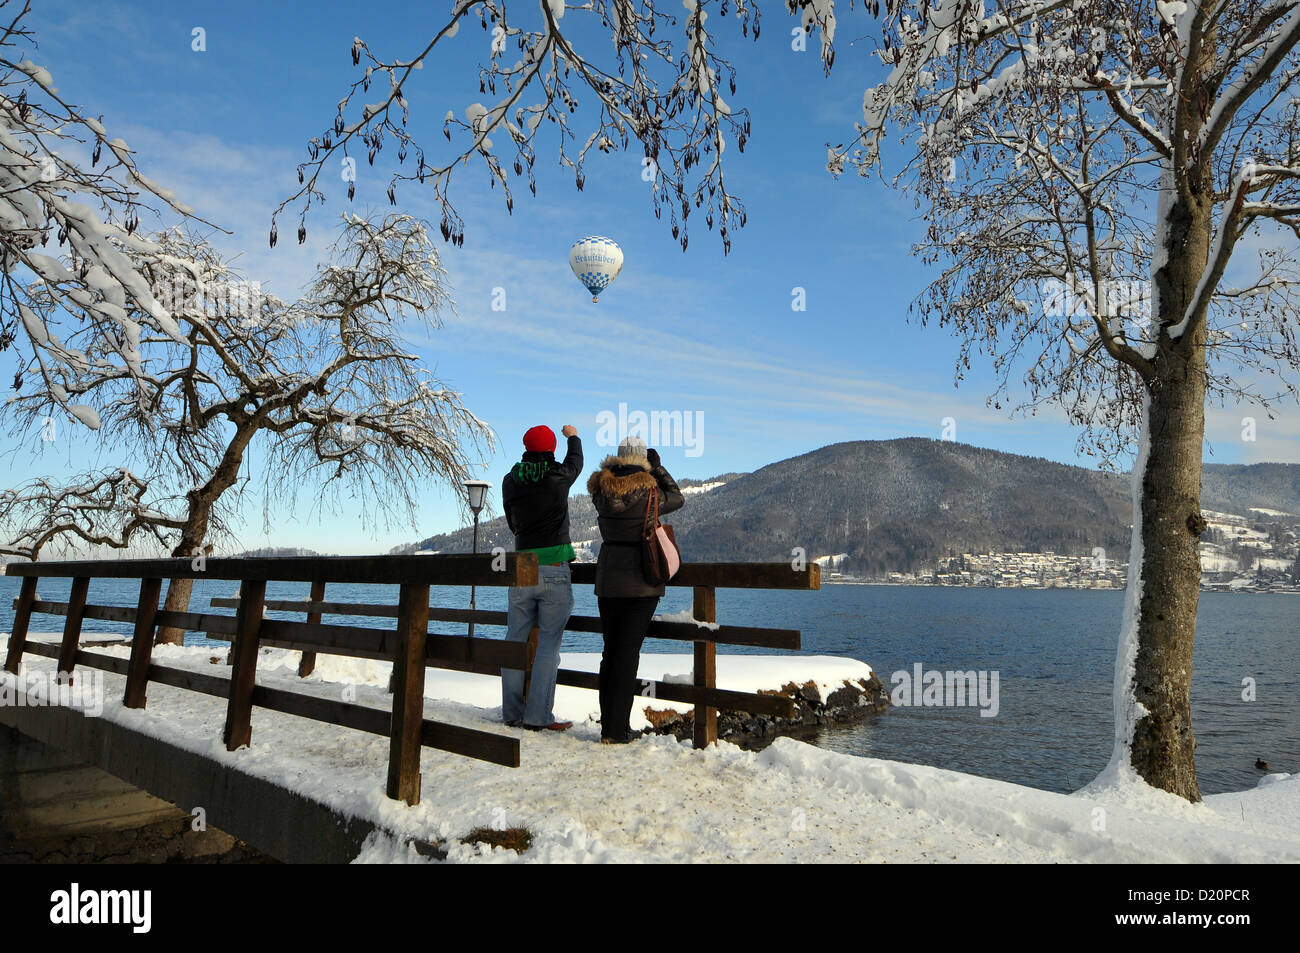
[(531, 471)]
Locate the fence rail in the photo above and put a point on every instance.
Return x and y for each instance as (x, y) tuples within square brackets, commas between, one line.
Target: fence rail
[(408, 644), (379, 570)]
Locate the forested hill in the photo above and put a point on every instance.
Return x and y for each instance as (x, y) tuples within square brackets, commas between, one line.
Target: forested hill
[(900, 504)]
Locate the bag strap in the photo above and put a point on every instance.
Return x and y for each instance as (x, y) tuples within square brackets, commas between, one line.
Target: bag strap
[(651, 519)]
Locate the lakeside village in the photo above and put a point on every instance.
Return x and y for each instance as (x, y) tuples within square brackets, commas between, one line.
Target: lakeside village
[(1259, 553)]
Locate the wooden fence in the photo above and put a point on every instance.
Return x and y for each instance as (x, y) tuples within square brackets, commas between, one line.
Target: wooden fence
[(703, 578), (408, 645)]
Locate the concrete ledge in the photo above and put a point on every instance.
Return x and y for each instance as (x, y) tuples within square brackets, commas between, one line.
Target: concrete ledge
[(288, 826)]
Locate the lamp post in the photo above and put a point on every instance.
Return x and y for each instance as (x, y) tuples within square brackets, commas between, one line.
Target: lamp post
[(475, 493)]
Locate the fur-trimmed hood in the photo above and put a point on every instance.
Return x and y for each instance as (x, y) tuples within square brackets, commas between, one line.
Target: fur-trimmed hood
[(621, 476)]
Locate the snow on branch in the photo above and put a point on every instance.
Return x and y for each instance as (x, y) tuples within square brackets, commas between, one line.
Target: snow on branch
[(1266, 41), (71, 197)]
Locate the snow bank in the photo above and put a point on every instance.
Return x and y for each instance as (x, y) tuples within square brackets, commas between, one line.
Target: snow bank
[(741, 673), (659, 800)]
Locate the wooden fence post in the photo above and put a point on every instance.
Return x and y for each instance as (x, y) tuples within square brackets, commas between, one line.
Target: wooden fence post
[(72, 627), (243, 670), (22, 616), (705, 609), (307, 664), (137, 673), (408, 693)]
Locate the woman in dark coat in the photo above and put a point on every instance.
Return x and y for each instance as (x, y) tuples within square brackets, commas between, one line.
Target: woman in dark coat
[(620, 490)]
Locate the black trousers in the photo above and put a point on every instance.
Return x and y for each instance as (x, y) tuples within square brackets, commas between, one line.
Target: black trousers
[(623, 622)]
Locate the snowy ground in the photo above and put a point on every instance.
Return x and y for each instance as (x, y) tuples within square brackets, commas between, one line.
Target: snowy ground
[(661, 801)]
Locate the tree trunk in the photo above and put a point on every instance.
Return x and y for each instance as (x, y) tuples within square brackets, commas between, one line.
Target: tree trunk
[(178, 600), (179, 589), (202, 499), (1163, 745)]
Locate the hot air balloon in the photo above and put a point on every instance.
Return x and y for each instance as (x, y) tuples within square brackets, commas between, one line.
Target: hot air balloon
[(596, 261)]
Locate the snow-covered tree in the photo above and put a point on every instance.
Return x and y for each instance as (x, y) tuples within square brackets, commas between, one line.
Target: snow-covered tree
[(1086, 170), (325, 389), (70, 203)]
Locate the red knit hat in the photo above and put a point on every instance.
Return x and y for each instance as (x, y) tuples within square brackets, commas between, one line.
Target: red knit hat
[(540, 440)]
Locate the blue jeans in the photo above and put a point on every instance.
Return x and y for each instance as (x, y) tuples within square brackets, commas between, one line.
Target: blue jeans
[(547, 606)]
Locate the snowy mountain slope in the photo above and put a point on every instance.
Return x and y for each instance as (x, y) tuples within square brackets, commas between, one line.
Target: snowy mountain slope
[(901, 504)]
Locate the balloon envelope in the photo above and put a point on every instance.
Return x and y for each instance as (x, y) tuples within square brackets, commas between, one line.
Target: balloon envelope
[(596, 261)]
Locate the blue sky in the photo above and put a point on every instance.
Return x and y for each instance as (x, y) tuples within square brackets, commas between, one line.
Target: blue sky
[(698, 332)]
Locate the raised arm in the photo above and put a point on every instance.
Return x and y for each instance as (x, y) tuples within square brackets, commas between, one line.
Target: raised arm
[(572, 465), (670, 494)]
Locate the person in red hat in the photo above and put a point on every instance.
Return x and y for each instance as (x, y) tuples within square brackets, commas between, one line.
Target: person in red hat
[(535, 496)]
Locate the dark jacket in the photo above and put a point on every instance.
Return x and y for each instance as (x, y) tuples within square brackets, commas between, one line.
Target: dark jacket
[(535, 496), (620, 490)]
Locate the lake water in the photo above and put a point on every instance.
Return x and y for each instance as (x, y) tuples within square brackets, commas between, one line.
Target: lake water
[(1053, 651)]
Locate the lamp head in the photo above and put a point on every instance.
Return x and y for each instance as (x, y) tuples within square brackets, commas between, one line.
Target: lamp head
[(476, 493)]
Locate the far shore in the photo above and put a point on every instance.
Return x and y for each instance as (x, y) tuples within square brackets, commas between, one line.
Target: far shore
[(914, 584)]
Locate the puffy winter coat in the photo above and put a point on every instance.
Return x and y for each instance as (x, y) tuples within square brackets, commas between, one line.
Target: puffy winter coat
[(535, 496), (620, 490)]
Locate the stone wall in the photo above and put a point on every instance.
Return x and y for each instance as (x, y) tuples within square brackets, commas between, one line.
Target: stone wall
[(854, 701)]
